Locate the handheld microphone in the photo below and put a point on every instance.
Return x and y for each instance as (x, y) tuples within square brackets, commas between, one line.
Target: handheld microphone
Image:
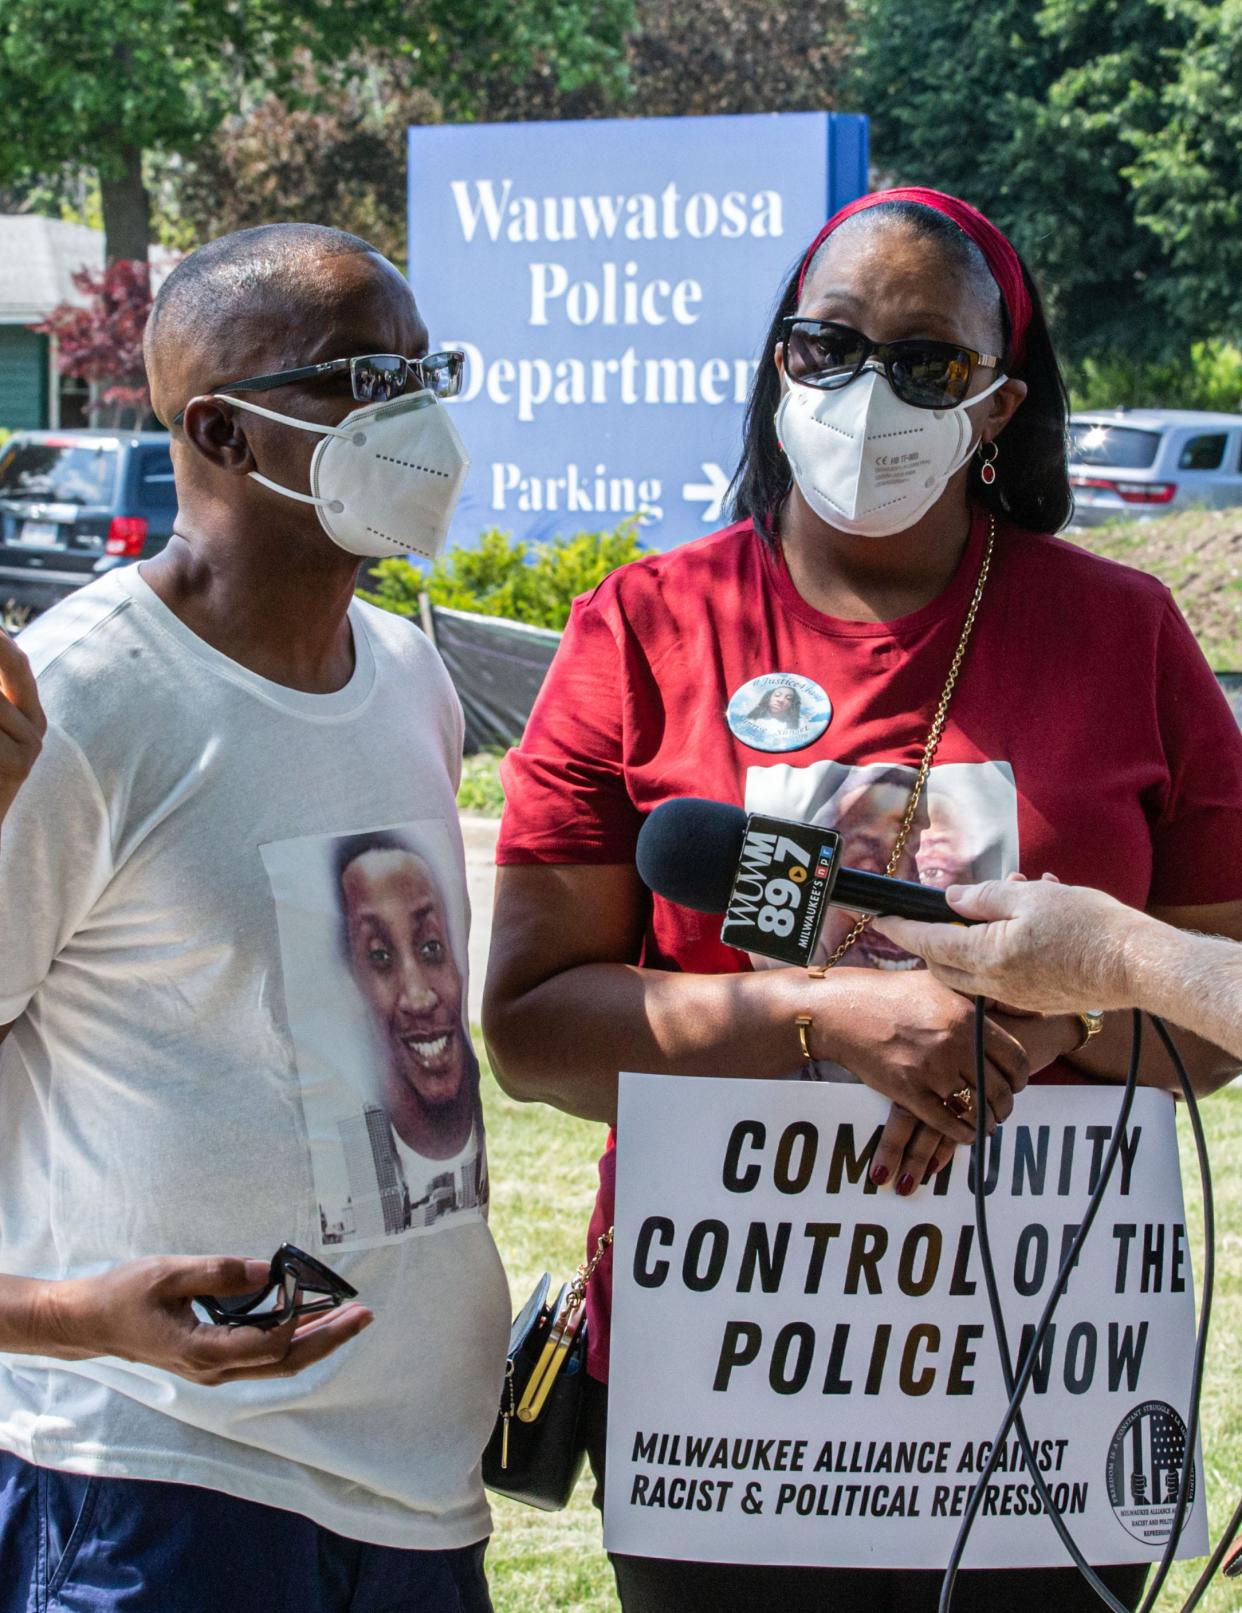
[(772, 879)]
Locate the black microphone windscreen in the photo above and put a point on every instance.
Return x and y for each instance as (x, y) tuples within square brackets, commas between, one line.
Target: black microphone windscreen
[(688, 852)]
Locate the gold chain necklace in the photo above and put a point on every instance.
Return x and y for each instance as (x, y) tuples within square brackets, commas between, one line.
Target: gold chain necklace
[(818, 970)]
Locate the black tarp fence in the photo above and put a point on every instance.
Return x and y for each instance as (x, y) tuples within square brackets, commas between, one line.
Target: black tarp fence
[(1231, 683), (497, 667)]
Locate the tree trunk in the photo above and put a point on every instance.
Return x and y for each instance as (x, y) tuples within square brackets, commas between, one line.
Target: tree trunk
[(126, 209)]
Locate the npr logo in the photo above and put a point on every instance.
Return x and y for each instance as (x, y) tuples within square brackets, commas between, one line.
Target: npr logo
[(779, 896)]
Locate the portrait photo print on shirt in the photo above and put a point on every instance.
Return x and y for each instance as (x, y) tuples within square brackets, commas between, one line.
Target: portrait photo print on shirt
[(373, 933), (965, 829)]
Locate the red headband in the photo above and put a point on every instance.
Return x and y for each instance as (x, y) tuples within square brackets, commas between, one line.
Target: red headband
[(1000, 256)]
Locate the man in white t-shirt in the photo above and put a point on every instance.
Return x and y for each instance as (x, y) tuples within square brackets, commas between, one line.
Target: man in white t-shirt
[(189, 1074)]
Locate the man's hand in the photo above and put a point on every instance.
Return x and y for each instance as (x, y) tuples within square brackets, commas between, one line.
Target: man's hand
[(908, 1037), (22, 723), (1043, 946), (141, 1311)]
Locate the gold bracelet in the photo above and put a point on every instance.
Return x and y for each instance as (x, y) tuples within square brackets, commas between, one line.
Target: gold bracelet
[(804, 1023)]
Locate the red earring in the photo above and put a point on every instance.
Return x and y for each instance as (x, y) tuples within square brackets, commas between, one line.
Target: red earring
[(987, 467)]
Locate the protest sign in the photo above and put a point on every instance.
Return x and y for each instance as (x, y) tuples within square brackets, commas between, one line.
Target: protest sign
[(804, 1369)]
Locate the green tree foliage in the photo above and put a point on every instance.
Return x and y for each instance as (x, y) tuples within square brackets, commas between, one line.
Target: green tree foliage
[(525, 582), (1209, 376), (696, 57), (81, 88), (1187, 177), (344, 158), (1059, 122), (340, 158)]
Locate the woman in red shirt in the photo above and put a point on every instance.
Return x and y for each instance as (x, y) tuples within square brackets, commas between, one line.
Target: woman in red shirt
[(904, 465)]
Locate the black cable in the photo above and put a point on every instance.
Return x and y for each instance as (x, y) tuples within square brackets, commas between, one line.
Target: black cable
[(1019, 1388), (1006, 1361), (1205, 1318)]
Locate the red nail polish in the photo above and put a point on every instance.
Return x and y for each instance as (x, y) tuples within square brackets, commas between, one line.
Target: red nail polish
[(905, 1184), (880, 1175)]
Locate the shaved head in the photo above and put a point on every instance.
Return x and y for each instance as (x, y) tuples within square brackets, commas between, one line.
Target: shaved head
[(263, 302), (248, 303)]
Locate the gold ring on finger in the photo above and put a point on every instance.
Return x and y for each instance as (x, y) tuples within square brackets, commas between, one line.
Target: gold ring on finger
[(961, 1102)]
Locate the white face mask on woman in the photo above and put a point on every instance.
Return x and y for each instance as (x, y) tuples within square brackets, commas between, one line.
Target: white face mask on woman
[(867, 462), (386, 480)]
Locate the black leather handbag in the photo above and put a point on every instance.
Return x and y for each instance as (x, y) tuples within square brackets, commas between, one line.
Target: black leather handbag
[(537, 1450)]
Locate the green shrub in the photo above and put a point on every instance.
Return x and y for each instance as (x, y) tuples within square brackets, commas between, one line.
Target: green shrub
[(480, 790), (1209, 376), (525, 582)]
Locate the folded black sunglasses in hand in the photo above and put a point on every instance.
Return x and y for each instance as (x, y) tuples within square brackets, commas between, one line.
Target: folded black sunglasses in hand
[(293, 1273)]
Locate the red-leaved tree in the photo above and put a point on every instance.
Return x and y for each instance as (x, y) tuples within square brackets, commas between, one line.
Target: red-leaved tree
[(101, 343)]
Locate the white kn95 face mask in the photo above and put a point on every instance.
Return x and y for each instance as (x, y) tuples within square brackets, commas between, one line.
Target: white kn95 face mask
[(867, 462), (386, 480)]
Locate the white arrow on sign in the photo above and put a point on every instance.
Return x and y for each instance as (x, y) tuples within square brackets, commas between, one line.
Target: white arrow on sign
[(710, 493)]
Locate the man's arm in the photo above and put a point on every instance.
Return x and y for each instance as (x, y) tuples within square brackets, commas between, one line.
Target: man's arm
[(22, 723), (1192, 980), (142, 1310), (1057, 948)]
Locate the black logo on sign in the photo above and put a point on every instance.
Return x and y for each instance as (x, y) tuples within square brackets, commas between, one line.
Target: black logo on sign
[(781, 890), (1144, 1470)]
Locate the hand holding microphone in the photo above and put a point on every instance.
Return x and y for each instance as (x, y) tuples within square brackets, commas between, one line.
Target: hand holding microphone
[(1041, 945), (773, 879)]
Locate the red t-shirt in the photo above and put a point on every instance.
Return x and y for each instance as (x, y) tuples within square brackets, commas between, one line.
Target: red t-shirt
[(1087, 737)]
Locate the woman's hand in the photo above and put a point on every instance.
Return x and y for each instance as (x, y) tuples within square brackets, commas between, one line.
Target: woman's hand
[(910, 1153), (907, 1036), (22, 723)]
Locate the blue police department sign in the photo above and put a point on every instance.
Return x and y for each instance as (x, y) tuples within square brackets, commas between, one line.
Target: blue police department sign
[(610, 282)]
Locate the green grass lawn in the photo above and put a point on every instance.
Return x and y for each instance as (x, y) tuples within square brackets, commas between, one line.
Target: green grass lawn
[(543, 1183)]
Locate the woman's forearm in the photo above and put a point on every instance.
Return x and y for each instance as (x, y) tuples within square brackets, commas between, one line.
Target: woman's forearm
[(565, 1040)]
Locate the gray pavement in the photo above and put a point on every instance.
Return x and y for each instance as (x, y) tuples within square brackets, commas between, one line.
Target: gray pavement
[(480, 837)]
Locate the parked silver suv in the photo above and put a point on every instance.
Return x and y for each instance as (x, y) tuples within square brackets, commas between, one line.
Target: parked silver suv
[(1127, 463)]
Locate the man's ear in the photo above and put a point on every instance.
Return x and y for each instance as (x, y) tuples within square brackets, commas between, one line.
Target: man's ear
[(213, 429)]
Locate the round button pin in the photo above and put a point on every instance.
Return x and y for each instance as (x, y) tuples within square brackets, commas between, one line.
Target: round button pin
[(778, 711)]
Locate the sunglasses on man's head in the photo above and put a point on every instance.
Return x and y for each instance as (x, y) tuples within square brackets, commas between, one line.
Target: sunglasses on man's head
[(927, 374), (373, 377), (291, 1273)]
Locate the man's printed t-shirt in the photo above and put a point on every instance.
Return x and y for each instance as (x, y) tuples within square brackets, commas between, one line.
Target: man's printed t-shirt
[(1087, 736), (234, 948)]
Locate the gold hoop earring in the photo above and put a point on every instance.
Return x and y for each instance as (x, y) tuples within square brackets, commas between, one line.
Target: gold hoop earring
[(987, 466)]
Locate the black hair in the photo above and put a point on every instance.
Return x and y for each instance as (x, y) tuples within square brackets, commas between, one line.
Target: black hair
[(764, 709), (347, 850), (1032, 480)]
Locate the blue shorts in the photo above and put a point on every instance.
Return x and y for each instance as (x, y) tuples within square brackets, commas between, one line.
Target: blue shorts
[(89, 1545)]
